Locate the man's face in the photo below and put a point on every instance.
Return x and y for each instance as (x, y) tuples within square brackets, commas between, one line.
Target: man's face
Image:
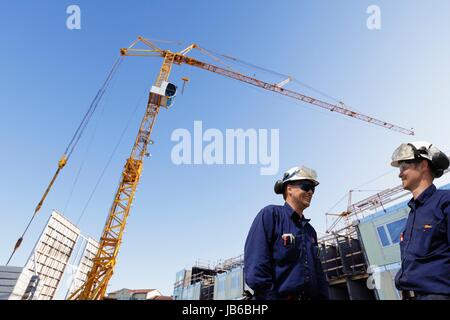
[(410, 173), (301, 192)]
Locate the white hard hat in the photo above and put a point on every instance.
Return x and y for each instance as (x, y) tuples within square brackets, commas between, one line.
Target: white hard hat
[(411, 151), (296, 173), (421, 150)]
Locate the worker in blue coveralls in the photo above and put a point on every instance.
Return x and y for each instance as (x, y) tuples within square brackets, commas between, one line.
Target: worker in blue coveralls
[(281, 255), (425, 241)]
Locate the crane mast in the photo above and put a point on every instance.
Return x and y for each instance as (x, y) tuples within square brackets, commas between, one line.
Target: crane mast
[(105, 260)]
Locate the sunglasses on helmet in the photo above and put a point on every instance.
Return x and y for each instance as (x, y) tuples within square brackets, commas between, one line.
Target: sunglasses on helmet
[(306, 186), (406, 164)]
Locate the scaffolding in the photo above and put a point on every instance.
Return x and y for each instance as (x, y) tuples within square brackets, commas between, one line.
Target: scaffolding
[(228, 264), (342, 254), (204, 273), (344, 265)]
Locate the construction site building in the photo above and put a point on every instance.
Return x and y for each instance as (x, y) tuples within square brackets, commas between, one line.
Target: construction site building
[(345, 268), (361, 260), (137, 294), (14, 282), (222, 281)]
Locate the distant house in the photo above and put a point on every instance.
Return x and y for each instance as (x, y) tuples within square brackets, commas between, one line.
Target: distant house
[(141, 294), (163, 298)]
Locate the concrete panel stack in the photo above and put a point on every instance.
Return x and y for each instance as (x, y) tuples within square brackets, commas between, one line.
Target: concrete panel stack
[(14, 282)]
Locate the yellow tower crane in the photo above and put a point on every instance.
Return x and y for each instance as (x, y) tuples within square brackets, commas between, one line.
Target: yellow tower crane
[(161, 95)]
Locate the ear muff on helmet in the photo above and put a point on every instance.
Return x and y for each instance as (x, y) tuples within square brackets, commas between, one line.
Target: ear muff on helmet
[(437, 173), (439, 163), (440, 160), (278, 188)]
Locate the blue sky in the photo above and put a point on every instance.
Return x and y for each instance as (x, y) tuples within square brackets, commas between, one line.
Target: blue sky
[(399, 74)]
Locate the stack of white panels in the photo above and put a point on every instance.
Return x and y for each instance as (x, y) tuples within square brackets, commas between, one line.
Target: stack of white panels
[(85, 265), (13, 282), (52, 253)]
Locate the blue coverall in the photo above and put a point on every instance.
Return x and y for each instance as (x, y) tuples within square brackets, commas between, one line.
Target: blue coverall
[(275, 267)]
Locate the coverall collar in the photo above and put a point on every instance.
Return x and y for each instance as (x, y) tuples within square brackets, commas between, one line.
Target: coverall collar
[(424, 196), (294, 215)]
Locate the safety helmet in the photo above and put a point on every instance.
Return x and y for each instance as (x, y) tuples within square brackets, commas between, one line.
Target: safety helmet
[(296, 173), (421, 150)]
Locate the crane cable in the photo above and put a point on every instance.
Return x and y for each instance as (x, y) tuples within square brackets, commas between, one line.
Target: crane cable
[(215, 56), (71, 146), (279, 74), (92, 138), (100, 178)]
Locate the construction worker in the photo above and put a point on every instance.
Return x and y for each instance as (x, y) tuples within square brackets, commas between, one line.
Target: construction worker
[(281, 255), (425, 241)]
